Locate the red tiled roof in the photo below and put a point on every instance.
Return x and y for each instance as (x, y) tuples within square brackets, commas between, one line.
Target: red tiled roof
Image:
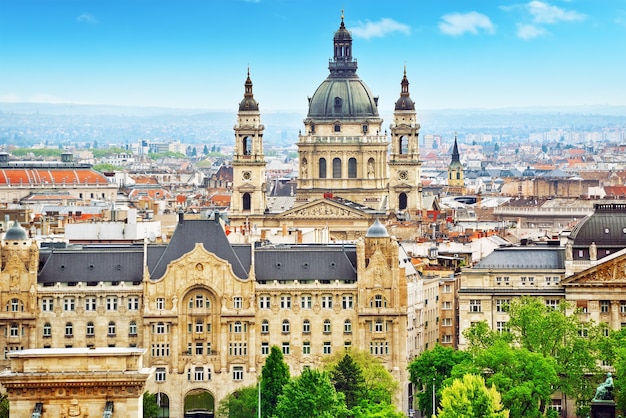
[(37, 177)]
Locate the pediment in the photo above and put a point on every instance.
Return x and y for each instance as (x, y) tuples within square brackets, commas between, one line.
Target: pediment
[(610, 272), (404, 186), (324, 208), (246, 187)]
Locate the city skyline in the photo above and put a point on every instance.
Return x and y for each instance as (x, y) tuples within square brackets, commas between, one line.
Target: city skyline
[(196, 54)]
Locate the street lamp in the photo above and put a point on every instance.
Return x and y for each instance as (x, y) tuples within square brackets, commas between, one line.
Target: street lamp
[(434, 399)]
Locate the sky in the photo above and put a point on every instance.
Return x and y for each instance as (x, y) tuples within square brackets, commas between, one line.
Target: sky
[(195, 54)]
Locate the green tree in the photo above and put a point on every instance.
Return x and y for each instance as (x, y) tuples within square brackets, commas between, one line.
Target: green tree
[(205, 150), (240, 404), (311, 391), (434, 367), (469, 397), (616, 355), (150, 407), (347, 377), (367, 409), (4, 406), (274, 376), (106, 168)]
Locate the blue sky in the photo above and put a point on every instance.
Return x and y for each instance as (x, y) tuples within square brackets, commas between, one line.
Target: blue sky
[(195, 53)]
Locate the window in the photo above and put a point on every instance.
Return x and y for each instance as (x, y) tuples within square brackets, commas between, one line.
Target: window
[(322, 168), (552, 303), (198, 374), (286, 348), (264, 302), (69, 304), (581, 305), (15, 305), (133, 303), (160, 328), (306, 326), (446, 289), (237, 349), (199, 301), (336, 168), (378, 325), (327, 347), (285, 326), (446, 322), (160, 374), (237, 302), (502, 305), (502, 280), (90, 303), (327, 301), (583, 331), (446, 339), (352, 168), (446, 305), (306, 302), (265, 349), (132, 328), (111, 329), (160, 350), (475, 305), (111, 303), (47, 330), (69, 329), (91, 329), (306, 347), (502, 326), (160, 304), (379, 302), (285, 302), (265, 327), (327, 326), (347, 326), (208, 350), (347, 302), (199, 348), (199, 326), (379, 348), (47, 304), (622, 306), (15, 330), (237, 373), (604, 306), (237, 327)]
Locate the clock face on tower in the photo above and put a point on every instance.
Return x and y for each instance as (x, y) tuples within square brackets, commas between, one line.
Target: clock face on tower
[(403, 175), (247, 175)]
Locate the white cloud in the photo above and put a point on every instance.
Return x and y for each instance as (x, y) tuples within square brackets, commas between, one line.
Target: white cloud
[(9, 98), (530, 31), (456, 24), (542, 12), (379, 29), (86, 18)]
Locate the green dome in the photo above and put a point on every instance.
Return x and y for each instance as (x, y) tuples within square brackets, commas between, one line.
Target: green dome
[(16, 233), (339, 98), (377, 230)]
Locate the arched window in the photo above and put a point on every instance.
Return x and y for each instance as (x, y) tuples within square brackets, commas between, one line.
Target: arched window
[(132, 328), (237, 327), (91, 329), (322, 170), (337, 168), (352, 168), (265, 327), (458, 175), (15, 330), (69, 329), (347, 326), (403, 145), (402, 201), (327, 326), (246, 201), (111, 328), (247, 145), (306, 326), (286, 326), (47, 329)]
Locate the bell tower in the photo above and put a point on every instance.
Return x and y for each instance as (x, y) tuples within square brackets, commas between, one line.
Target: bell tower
[(456, 178), (405, 186), (248, 161)]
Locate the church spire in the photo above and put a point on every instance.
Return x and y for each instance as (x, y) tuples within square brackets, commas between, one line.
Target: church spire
[(248, 102), (455, 153), (342, 63)]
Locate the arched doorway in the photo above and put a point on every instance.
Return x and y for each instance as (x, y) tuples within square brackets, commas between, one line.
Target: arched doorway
[(163, 401), (199, 403), (402, 201), (247, 201)]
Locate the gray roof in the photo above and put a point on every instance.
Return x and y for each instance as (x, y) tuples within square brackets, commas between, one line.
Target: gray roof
[(305, 262), (208, 233), (530, 258), (606, 227)]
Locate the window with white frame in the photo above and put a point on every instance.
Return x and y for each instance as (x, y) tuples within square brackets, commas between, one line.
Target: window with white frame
[(69, 304), (111, 303), (502, 305), (91, 329), (446, 305), (160, 350), (285, 302), (47, 304), (237, 327), (286, 327), (306, 326), (69, 329), (347, 302), (199, 348), (133, 303), (132, 328), (160, 374), (378, 301), (605, 306), (111, 328), (265, 349), (47, 330), (14, 330), (502, 280), (237, 302), (198, 374), (327, 326), (552, 303), (327, 301), (446, 322), (347, 326), (306, 347), (237, 373), (199, 301), (265, 327), (327, 347), (378, 325), (286, 348), (15, 305), (475, 305), (622, 306), (160, 304), (90, 303), (199, 326), (446, 288), (502, 326), (264, 302), (446, 338), (306, 301)]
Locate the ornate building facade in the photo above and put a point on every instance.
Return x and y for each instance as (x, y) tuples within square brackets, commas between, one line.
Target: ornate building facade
[(207, 312), (343, 155)]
